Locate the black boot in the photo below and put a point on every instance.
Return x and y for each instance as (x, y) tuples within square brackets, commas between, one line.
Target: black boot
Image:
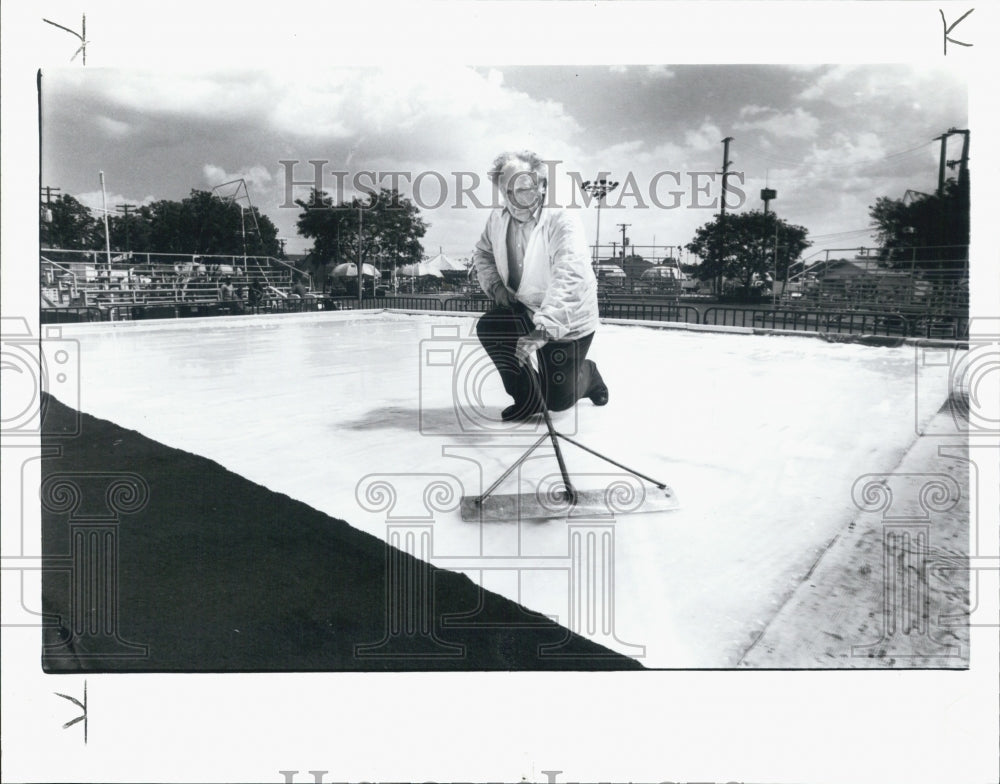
[(519, 412), (598, 393)]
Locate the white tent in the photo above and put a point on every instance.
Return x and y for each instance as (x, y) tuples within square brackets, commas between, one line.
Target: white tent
[(610, 271), (663, 273), (419, 270), (350, 270), (445, 264)]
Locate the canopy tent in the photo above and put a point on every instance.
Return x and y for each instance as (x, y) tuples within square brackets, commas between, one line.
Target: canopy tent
[(445, 264), (419, 270), (610, 271), (663, 273), (350, 270)]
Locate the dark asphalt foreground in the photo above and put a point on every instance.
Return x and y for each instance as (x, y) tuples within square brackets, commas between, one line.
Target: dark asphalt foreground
[(216, 574)]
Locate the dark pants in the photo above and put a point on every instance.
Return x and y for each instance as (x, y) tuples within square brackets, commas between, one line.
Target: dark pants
[(566, 373)]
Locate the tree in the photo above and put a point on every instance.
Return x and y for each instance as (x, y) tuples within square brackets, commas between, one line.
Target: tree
[(928, 231), (634, 265), (391, 229), (201, 224), (205, 224), (749, 247), (72, 226), (131, 232)]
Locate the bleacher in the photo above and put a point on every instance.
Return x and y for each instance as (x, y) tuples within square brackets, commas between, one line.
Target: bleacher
[(864, 284), (78, 279)]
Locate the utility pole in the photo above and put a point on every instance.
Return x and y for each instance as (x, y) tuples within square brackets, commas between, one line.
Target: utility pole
[(107, 233), (360, 264), (47, 204), (774, 283), (623, 226), (963, 176), (726, 163), (243, 235), (963, 162), (125, 208), (767, 194), (943, 159)]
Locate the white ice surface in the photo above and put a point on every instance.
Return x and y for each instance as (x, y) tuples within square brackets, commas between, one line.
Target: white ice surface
[(761, 437)]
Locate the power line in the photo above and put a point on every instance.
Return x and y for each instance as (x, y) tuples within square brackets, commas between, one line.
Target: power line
[(835, 234), (752, 150)]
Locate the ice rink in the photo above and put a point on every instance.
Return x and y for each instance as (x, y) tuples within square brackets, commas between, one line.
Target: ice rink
[(383, 419)]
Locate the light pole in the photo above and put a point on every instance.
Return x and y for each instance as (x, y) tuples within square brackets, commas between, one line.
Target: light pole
[(243, 234), (107, 233), (360, 264), (599, 189)]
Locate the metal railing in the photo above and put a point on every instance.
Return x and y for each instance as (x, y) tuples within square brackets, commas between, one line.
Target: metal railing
[(66, 272), (881, 324), (843, 322), (147, 277), (649, 311), (888, 324)]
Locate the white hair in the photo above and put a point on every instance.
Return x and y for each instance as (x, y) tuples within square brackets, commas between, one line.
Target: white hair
[(532, 160)]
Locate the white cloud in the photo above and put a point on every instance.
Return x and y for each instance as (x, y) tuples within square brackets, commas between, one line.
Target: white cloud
[(94, 200), (256, 177), (843, 150), (753, 110), (213, 128), (888, 85), (798, 124), (114, 129), (198, 94), (705, 137), (660, 71)]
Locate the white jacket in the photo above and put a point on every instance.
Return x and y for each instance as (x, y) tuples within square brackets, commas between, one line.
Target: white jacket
[(557, 283)]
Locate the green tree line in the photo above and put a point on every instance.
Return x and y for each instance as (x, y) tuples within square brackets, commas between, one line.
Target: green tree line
[(199, 224)]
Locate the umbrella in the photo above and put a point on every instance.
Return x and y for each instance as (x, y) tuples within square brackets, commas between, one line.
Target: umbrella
[(350, 270)]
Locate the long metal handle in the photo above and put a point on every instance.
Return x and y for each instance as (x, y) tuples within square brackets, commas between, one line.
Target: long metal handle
[(510, 470), (660, 485), (536, 379)]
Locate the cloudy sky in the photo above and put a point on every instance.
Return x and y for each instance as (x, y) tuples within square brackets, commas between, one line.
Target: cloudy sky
[(829, 138)]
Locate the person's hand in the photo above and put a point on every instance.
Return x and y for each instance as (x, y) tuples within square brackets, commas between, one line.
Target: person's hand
[(502, 296), (528, 344)]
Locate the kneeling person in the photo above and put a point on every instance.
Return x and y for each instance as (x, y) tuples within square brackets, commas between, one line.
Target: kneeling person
[(533, 261)]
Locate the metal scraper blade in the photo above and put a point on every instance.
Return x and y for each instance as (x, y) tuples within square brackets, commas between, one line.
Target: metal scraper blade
[(501, 507)]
